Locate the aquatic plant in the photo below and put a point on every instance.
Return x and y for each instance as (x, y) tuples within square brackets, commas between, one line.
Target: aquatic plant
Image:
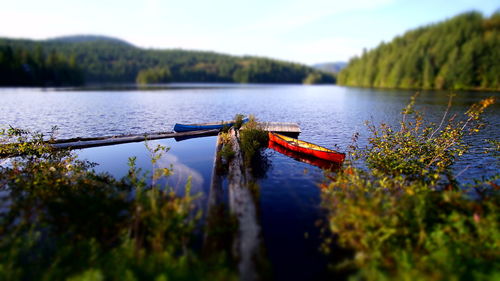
[(405, 216)]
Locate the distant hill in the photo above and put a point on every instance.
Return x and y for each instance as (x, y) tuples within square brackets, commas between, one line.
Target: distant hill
[(331, 67), (88, 38), (105, 59), (460, 53)]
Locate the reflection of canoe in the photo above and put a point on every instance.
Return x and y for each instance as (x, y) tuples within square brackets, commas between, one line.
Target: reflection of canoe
[(204, 126), (304, 158), (307, 148)]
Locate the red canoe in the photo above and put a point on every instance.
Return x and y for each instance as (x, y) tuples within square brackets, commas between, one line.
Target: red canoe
[(307, 148), (304, 158)]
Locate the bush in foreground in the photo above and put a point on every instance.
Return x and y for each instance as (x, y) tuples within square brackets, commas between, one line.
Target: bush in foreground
[(405, 217), (60, 220)]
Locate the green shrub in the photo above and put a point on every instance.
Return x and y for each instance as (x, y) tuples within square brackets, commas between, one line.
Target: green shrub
[(60, 220), (405, 217), (238, 121), (252, 139)]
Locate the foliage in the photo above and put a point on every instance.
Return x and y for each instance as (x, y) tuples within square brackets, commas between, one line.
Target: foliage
[(60, 220), (459, 53), (153, 75), (115, 61), (226, 153), (252, 139), (15, 141), (404, 216), (428, 150), (33, 66), (319, 78), (412, 232), (238, 121)]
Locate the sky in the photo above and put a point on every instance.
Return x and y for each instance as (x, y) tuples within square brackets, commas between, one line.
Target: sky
[(304, 31)]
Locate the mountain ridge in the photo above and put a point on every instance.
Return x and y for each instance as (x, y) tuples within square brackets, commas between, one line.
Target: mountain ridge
[(78, 38), (332, 67)]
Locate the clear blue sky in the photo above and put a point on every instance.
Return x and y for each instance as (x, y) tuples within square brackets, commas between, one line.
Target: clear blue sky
[(306, 31)]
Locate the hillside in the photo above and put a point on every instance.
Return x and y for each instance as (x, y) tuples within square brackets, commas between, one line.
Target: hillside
[(460, 53), (103, 59), (331, 67), (88, 38)]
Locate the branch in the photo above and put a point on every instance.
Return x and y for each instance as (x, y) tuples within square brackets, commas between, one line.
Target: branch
[(444, 117)]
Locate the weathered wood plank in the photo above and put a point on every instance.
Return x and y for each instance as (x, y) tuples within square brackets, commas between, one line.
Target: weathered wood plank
[(280, 127), (112, 140), (241, 204)]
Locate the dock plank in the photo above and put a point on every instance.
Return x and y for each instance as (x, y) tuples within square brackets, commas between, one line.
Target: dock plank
[(112, 140), (280, 127)]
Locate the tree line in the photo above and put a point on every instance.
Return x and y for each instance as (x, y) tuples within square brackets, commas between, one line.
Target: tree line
[(111, 60), (35, 67), (459, 54)]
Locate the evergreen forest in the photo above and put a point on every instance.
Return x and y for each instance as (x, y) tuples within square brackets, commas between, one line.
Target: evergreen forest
[(462, 53), (98, 59), (23, 67)]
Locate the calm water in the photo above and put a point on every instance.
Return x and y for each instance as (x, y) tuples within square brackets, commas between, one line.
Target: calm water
[(289, 196), (328, 115)]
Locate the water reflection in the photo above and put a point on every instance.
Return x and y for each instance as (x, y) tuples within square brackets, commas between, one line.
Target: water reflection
[(190, 159), (320, 163)]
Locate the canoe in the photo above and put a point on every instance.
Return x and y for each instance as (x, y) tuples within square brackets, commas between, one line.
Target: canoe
[(307, 148), (305, 158), (204, 126)]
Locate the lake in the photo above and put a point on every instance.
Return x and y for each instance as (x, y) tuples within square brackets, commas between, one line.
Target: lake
[(327, 115), (289, 196)]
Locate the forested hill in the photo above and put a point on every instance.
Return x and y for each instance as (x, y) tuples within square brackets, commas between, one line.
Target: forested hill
[(88, 38), (460, 53), (103, 59), (332, 67)]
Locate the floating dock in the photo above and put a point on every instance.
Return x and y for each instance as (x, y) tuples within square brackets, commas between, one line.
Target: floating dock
[(281, 127), (286, 128)]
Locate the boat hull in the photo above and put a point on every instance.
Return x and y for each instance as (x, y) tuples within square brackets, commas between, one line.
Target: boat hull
[(305, 158), (307, 148)]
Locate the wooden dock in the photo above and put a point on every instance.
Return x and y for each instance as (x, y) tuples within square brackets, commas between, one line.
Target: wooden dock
[(286, 128)]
